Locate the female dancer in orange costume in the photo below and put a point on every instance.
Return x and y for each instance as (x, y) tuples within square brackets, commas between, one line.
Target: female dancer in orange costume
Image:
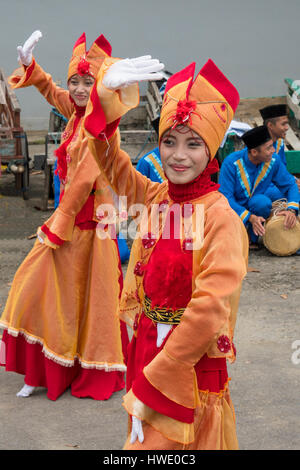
[(61, 318), (183, 281)]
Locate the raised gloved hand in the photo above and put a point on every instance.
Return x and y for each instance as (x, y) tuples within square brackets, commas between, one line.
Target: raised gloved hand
[(162, 331), (125, 72), (136, 431), (25, 51)]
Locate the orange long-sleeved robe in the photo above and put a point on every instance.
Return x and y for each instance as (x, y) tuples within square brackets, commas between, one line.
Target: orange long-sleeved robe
[(66, 298)]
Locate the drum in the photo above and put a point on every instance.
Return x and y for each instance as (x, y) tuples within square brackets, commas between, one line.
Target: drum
[(278, 240)]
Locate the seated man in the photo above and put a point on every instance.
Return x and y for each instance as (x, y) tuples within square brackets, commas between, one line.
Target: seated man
[(275, 118), (246, 175)]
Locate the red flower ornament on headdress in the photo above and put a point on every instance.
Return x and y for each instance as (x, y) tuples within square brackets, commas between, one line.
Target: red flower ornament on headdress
[(83, 67), (184, 110)]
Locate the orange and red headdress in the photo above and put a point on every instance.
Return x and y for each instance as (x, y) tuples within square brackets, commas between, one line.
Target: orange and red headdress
[(88, 62), (206, 104)]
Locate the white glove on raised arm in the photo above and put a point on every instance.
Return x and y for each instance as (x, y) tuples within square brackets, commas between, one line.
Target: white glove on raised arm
[(25, 51), (125, 72), (136, 431), (162, 331)]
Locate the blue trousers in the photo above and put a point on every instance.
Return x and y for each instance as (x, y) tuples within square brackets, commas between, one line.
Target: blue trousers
[(259, 205), (273, 193)]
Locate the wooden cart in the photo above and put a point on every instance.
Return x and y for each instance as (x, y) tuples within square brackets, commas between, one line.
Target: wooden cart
[(13, 139)]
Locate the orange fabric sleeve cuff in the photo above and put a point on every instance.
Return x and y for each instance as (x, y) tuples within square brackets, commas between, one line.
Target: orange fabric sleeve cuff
[(21, 76), (60, 225), (52, 237), (95, 122), (174, 379), (106, 107), (153, 398)]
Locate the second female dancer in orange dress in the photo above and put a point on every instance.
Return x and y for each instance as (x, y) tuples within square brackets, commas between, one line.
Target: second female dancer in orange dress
[(61, 318)]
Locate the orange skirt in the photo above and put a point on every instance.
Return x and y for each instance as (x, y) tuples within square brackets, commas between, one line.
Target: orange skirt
[(66, 301), (213, 427)]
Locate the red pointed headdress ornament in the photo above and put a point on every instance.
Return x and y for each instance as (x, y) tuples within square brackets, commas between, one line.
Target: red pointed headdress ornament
[(88, 62), (206, 104)]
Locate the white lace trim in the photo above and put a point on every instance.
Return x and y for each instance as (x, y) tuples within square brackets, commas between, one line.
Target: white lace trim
[(62, 361)]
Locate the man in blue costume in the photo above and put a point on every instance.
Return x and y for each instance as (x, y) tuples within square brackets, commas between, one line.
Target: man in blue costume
[(275, 118), (245, 177)]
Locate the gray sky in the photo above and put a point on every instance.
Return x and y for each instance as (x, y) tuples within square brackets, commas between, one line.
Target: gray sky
[(254, 42)]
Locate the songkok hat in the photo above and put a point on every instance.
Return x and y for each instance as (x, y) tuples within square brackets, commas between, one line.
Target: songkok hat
[(88, 62), (256, 136), (280, 241), (273, 111), (206, 104)]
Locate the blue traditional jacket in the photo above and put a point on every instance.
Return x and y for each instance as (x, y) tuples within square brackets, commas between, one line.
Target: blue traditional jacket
[(240, 180), (279, 149), (150, 166)]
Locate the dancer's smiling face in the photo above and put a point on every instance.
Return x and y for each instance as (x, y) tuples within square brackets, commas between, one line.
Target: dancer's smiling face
[(184, 154), (80, 87)]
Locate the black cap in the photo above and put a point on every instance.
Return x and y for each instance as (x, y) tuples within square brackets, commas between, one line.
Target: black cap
[(256, 136), (274, 111)]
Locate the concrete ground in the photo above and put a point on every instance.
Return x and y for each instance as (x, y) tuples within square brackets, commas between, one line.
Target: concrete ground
[(265, 378)]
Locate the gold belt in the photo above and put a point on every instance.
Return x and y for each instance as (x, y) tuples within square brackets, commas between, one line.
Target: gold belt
[(162, 315)]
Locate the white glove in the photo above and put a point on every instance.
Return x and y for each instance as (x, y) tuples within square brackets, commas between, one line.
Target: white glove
[(162, 331), (125, 72), (25, 51), (136, 431)]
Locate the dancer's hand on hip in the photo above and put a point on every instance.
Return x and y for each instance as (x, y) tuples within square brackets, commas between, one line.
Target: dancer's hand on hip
[(125, 72), (25, 51)]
